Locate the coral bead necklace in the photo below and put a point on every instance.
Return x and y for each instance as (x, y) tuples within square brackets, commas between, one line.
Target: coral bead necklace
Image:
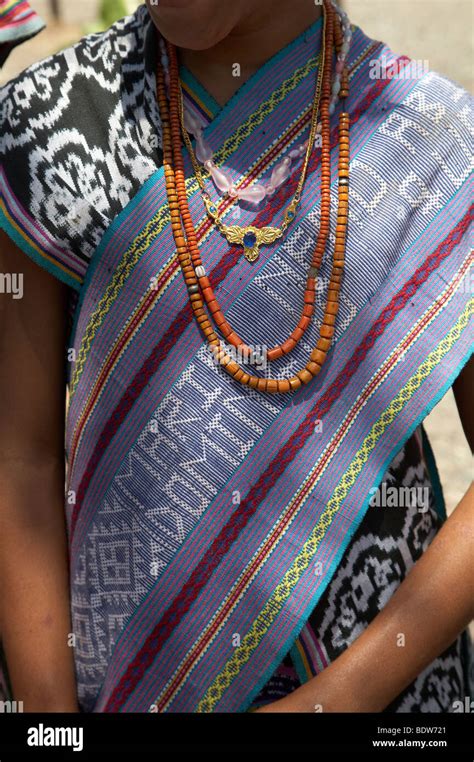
[(251, 237), (197, 282)]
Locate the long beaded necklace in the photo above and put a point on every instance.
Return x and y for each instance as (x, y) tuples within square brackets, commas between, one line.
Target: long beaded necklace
[(251, 237), (197, 282)]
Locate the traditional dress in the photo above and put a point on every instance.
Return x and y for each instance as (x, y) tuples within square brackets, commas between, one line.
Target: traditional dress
[(225, 545)]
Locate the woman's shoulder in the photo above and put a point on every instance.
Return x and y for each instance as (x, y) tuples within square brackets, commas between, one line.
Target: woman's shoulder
[(79, 136), (396, 78), (423, 120), (92, 63)]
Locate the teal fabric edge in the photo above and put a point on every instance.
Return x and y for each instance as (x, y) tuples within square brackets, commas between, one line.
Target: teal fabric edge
[(298, 663), (115, 223), (348, 537), (249, 455), (6, 225), (434, 475), (200, 91)]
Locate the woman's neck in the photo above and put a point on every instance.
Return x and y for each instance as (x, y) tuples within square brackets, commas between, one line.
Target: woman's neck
[(256, 38)]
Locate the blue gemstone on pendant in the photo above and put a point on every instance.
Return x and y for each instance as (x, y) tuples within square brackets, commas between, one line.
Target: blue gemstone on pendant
[(250, 239)]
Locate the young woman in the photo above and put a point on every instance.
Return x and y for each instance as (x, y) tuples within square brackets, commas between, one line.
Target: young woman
[(246, 229)]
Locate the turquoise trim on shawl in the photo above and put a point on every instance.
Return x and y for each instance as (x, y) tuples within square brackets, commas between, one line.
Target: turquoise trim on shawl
[(290, 643), (117, 221), (27, 30), (298, 664), (199, 91), (31, 252)]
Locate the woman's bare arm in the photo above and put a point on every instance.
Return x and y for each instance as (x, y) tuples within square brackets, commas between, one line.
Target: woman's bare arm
[(425, 615), (463, 389), (430, 608), (34, 590)]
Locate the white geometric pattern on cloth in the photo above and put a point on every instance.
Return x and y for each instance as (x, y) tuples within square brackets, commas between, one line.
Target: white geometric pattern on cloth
[(383, 550), (172, 474)]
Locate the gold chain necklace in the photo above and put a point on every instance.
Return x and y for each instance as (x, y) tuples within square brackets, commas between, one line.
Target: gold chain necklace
[(202, 299), (252, 237)]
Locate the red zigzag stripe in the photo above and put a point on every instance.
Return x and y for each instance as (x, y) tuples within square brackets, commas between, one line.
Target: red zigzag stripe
[(150, 366), (201, 574)]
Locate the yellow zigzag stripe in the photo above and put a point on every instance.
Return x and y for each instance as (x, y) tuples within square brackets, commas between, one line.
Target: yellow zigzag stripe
[(155, 226), (141, 243), (284, 589), (414, 335), (161, 219)]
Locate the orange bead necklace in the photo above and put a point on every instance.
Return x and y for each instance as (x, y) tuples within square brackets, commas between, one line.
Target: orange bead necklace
[(198, 285)]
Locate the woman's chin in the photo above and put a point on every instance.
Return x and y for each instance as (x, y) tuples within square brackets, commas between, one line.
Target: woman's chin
[(190, 40), (191, 25)]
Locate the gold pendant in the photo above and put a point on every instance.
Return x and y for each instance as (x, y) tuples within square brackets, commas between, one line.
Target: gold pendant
[(251, 238), (251, 254)]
